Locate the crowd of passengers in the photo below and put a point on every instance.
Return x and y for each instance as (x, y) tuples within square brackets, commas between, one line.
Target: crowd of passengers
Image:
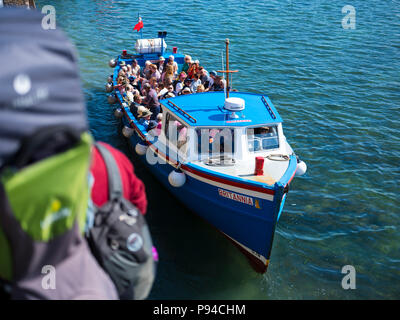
[(142, 88)]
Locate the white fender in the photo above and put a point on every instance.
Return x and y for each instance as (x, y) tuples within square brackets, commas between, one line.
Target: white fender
[(140, 149), (118, 113), (177, 178), (127, 132), (112, 63), (109, 87), (110, 79), (301, 168), (112, 99)]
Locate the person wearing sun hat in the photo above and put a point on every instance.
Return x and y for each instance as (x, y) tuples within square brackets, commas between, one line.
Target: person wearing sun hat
[(144, 117), (160, 64)]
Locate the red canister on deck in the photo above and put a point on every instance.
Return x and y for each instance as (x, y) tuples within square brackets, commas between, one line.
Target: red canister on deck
[(259, 166)]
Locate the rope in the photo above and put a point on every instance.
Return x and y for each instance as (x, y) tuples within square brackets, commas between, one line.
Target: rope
[(278, 157)]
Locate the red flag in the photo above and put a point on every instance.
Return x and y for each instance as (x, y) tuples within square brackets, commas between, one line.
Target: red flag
[(138, 25)]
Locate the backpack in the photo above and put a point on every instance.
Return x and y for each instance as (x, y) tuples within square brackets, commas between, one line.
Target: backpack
[(44, 193), (120, 239)]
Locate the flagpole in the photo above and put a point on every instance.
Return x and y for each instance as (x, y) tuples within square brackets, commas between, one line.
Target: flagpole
[(141, 32), (227, 70)]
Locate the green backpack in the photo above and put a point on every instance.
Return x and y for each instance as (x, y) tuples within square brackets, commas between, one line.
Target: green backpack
[(43, 210)]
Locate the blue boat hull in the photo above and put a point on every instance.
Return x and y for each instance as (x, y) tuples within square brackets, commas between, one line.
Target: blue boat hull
[(249, 221)]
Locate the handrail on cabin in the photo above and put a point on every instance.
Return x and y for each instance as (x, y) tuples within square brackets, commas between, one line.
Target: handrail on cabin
[(182, 111), (271, 112)]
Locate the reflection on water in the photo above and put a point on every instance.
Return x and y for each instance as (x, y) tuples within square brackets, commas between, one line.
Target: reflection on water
[(338, 93)]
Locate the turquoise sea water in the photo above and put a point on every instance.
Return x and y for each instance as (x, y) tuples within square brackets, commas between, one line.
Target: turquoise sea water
[(338, 91)]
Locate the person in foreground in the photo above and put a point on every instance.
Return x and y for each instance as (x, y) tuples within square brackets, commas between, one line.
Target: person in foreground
[(53, 243)]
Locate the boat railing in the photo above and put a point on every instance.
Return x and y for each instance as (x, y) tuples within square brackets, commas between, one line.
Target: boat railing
[(271, 112), (181, 111)]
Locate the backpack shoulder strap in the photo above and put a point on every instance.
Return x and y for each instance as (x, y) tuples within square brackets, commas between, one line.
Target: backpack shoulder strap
[(114, 179)]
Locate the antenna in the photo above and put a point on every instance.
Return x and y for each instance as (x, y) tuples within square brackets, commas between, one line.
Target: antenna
[(222, 64), (227, 68)]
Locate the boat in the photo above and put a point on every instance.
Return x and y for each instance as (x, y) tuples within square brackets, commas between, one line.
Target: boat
[(223, 154)]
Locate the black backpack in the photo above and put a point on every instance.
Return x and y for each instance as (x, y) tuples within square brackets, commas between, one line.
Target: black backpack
[(120, 239)]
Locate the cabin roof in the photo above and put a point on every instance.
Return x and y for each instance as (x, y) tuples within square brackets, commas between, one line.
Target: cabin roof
[(207, 109)]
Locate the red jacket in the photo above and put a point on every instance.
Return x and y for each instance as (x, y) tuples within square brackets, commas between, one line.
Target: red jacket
[(133, 187)]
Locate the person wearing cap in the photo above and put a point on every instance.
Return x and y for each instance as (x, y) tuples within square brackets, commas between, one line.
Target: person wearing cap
[(151, 100), (186, 85), (218, 85), (172, 58), (160, 64), (169, 93), (211, 80), (135, 68)]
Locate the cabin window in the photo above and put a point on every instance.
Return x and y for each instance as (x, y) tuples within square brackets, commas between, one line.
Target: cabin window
[(262, 138), (215, 141), (176, 132)]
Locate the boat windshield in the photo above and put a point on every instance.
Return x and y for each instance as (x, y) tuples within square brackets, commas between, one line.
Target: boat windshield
[(262, 138), (215, 141)]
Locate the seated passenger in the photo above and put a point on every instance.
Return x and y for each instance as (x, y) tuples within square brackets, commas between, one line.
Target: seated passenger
[(136, 109), (153, 82), (193, 69), (147, 71), (186, 86), (159, 119), (185, 91), (168, 75), (186, 65), (135, 68), (159, 124), (204, 77), (151, 100), (172, 58), (160, 64), (130, 93), (154, 72), (144, 117), (218, 85), (152, 127), (179, 83), (211, 79), (170, 93), (195, 83), (200, 88)]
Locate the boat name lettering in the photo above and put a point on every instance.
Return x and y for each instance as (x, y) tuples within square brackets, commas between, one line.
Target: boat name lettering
[(236, 197)]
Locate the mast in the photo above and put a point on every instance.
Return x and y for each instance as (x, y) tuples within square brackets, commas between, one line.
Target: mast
[(227, 71)]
